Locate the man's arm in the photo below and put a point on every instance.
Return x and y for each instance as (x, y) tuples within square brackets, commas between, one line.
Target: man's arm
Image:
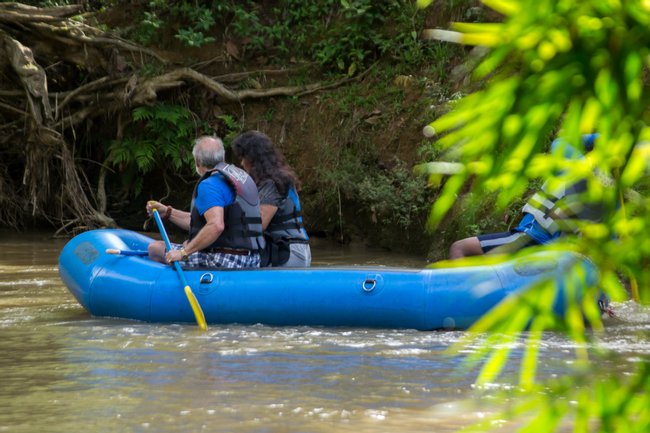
[(177, 217), (180, 218), (210, 232)]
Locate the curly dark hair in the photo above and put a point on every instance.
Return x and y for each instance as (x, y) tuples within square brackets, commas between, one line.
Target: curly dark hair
[(266, 161)]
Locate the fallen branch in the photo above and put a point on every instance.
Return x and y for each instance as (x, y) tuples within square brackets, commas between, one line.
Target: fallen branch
[(146, 92)]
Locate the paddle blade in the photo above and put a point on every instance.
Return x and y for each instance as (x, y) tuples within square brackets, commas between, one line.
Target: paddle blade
[(198, 312), (194, 303)]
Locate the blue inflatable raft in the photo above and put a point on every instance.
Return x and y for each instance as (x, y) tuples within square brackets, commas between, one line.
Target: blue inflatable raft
[(134, 287)]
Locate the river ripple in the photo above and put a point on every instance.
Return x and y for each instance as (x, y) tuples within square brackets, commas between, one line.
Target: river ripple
[(63, 371)]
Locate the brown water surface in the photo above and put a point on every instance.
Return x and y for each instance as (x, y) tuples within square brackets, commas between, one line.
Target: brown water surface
[(64, 371)]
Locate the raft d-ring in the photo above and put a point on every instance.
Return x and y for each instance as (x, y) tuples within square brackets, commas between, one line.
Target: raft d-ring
[(206, 278), (369, 285)]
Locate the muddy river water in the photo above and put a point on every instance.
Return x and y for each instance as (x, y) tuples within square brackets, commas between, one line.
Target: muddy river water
[(62, 370)]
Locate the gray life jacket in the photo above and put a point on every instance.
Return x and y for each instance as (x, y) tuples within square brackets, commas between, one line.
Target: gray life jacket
[(242, 218), (287, 224), (284, 229)]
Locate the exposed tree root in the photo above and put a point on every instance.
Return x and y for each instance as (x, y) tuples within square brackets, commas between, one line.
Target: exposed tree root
[(39, 126)]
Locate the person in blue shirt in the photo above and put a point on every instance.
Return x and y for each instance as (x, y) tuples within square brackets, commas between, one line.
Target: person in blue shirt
[(224, 222), (545, 216), (286, 239)]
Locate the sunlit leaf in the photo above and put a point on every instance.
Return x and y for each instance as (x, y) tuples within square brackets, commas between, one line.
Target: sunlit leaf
[(496, 360), (477, 27), (503, 6), (633, 76), (440, 167), (446, 201)]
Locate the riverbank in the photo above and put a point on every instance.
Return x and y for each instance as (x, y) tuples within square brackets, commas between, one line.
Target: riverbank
[(346, 105)]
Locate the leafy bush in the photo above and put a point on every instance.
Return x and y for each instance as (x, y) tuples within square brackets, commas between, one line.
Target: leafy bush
[(345, 35), (160, 138), (387, 204), (197, 19), (395, 198)]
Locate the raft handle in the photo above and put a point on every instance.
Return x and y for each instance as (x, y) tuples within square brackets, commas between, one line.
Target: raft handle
[(369, 285), (206, 278)]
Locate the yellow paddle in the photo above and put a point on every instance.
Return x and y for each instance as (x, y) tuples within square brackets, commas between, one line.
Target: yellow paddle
[(194, 303)]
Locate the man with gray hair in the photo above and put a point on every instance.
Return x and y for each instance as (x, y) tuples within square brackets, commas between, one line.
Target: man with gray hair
[(224, 222)]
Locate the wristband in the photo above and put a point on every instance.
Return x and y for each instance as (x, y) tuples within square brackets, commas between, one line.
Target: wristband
[(168, 213), (184, 254)]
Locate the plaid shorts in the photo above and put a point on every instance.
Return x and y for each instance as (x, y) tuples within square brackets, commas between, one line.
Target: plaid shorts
[(201, 259)]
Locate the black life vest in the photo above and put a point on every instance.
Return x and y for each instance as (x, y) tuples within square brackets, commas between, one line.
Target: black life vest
[(287, 221), (242, 219)]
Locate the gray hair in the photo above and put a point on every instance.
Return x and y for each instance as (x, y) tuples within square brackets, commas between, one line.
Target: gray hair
[(208, 151)]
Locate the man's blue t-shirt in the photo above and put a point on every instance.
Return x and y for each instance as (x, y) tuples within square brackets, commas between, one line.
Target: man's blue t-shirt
[(213, 191)]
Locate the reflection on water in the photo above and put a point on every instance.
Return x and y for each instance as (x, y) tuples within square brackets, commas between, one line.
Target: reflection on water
[(63, 371)]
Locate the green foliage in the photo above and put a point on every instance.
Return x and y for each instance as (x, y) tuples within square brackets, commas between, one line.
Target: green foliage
[(201, 20), (620, 404), (147, 31), (440, 56), (151, 69), (562, 68), (345, 35), (357, 37), (229, 129), (160, 138), (198, 21), (392, 200), (395, 197)]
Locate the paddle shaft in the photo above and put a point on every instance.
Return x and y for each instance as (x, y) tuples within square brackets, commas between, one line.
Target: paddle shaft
[(194, 303), (127, 252)]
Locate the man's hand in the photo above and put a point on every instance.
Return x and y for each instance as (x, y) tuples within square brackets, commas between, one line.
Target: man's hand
[(176, 255), (152, 204)]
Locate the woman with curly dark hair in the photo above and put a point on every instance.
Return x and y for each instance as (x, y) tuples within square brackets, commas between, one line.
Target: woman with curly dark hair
[(287, 243)]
